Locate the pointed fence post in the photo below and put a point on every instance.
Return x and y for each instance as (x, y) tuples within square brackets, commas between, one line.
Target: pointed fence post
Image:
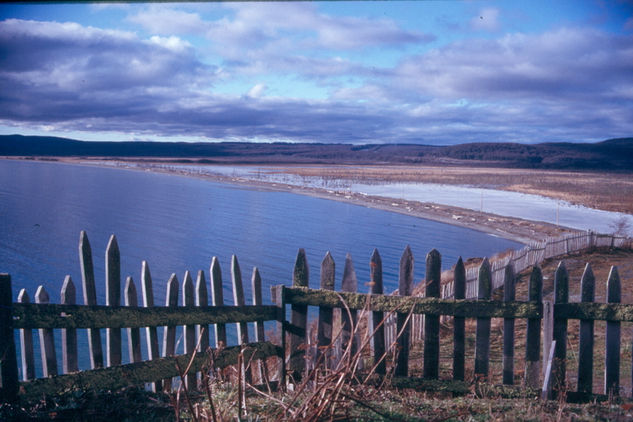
[(202, 300), (612, 359), (133, 334), (533, 335), (47, 340), (69, 335), (90, 298), (482, 340), (238, 298), (403, 327), (459, 329), (113, 298), (585, 348), (26, 344), (217, 300), (561, 295), (9, 367), (324, 329), (432, 322), (260, 335), (169, 334), (298, 319), (349, 318), (509, 295), (378, 325), (150, 332), (189, 331)]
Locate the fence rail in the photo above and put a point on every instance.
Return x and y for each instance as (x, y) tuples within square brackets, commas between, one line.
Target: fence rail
[(395, 321)]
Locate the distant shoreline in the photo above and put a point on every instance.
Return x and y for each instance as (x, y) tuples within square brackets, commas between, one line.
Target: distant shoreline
[(519, 230)]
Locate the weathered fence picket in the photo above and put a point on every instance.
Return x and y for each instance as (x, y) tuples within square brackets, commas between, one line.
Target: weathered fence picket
[(151, 333), (189, 331), (459, 347), (509, 293), (169, 334), (403, 328), (69, 335), (612, 338), (378, 326), (90, 298), (47, 340), (561, 295), (432, 322), (324, 327), (482, 339), (298, 319), (585, 341), (533, 331), (133, 334), (349, 317), (260, 335), (217, 300), (113, 298), (26, 344), (202, 300)]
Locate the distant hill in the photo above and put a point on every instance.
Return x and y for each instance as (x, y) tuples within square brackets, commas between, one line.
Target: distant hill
[(613, 154)]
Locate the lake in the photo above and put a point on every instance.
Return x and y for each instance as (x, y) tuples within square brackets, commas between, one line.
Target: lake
[(178, 223)]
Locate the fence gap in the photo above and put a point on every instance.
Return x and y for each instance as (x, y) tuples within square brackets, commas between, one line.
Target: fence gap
[(459, 348), (509, 294), (324, 328), (378, 325), (47, 340), (432, 322), (133, 334), (202, 300), (113, 298), (217, 300), (189, 331), (405, 288), (533, 334), (26, 344), (69, 335), (612, 360), (151, 332), (561, 295), (90, 298), (482, 340), (298, 319), (586, 341), (349, 318), (169, 334), (9, 367)]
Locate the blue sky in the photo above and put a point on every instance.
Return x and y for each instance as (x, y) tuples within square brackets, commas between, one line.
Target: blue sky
[(432, 72)]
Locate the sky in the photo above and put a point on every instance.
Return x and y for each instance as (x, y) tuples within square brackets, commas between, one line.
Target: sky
[(428, 72)]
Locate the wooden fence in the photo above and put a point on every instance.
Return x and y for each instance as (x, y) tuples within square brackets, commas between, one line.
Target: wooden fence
[(304, 349)]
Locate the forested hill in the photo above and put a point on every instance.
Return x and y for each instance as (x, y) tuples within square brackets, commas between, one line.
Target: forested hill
[(613, 154)]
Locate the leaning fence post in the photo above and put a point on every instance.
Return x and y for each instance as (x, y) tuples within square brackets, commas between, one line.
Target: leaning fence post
[(432, 322), (508, 327), (298, 319), (324, 329), (612, 360), (90, 298), (47, 341), (459, 349), (133, 334), (151, 332), (9, 363), (189, 331), (482, 341), (69, 335), (585, 347), (403, 331), (169, 335), (113, 298), (378, 323), (533, 335), (349, 317), (561, 295), (217, 300), (26, 344)]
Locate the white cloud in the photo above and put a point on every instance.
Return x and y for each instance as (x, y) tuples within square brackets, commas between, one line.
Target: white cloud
[(164, 20), (257, 91)]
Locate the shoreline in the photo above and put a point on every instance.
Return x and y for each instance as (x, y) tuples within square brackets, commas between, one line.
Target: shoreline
[(511, 228)]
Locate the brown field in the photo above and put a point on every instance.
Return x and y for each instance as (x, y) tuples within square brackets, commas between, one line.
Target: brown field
[(601, 190)]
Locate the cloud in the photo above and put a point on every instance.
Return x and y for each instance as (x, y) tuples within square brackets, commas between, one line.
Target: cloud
[(257, 91), (159, 19)]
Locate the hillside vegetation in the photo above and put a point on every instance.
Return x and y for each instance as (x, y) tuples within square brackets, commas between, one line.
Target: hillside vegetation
[(613, 154)]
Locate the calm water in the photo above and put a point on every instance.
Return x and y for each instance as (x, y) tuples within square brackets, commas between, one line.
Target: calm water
[(178, 223)]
